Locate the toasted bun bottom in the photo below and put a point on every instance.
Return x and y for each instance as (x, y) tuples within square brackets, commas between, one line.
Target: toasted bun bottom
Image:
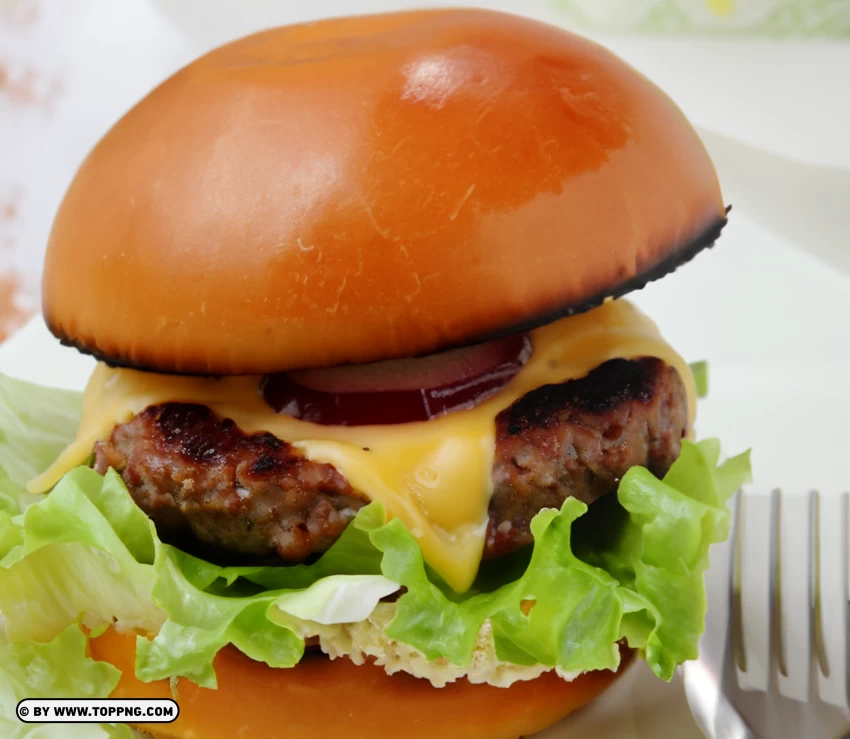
[(324, 698)]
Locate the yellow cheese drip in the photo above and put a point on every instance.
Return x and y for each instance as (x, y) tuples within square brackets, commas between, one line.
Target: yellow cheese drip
[(434, 475)]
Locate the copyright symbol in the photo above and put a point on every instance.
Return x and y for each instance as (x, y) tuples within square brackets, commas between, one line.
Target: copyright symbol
[(23, 711)]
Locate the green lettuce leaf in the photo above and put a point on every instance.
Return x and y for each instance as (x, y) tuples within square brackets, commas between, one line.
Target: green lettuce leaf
[(630, 567), (56, 669), (635, 570), (700, 372), (84, 550), (36, 424)]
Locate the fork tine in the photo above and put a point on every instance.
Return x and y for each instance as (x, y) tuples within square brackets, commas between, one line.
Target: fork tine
[(721, 714), (831, 606), (721, 597), (845, 563), (755, 589), (793, 545), (772, 556)]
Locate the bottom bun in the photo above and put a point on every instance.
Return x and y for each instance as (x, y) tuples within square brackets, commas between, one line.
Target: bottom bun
[(324, 698)]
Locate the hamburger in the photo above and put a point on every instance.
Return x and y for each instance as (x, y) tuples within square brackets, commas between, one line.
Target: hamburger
[(374, 444)]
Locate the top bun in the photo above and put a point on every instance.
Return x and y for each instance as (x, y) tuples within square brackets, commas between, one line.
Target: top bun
[(365, 188)]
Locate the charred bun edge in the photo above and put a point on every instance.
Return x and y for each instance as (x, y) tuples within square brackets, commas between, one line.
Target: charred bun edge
[(670, 263)]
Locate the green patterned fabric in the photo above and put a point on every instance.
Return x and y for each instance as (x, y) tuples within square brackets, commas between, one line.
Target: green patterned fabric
[(774, 18)]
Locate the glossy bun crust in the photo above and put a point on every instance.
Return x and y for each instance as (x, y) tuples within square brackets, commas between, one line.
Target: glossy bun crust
[(322, 698), (363, 188)]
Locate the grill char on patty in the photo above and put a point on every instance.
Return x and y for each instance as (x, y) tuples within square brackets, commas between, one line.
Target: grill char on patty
[(207, 484)]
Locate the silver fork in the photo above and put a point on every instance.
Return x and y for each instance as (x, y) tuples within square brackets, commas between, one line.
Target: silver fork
[(775, 655)]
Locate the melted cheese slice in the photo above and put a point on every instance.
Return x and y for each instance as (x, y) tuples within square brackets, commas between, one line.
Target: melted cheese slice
[(434, 475)]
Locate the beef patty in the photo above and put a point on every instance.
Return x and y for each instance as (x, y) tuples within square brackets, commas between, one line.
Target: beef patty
[(201, 479)]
